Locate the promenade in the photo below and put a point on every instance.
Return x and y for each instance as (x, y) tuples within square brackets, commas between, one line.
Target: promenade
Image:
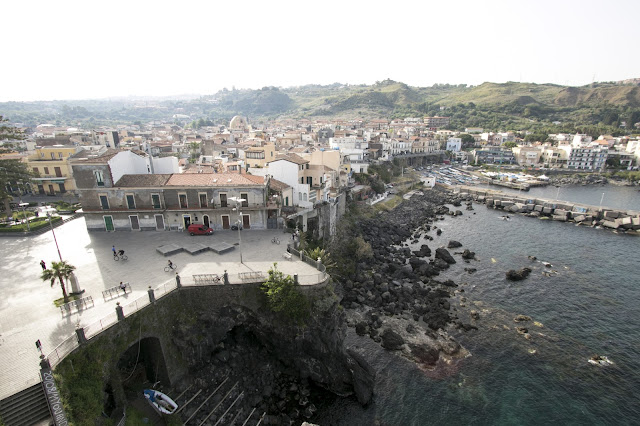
[(27, 313)]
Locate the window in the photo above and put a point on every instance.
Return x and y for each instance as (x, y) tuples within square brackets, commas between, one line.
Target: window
[(309, 180), (58, 171), (131, 202), (53, 155), (300, 196), (99, 177), (155, 201), (46, 170), (182, 199), (245, 200), (104, 202), (302, 180), (203, 200), (59, 155), (35, 170), (223, 200)]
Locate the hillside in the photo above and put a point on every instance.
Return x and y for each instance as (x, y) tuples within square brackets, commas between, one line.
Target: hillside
[(492, 106)]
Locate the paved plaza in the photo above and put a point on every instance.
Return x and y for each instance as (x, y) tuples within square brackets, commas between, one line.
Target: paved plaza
[(27, 313)]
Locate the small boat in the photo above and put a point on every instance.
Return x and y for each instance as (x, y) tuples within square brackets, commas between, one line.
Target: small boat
[(600, 360), (160, 402)]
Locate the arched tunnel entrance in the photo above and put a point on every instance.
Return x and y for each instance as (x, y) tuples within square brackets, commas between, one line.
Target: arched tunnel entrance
[(143, 365)]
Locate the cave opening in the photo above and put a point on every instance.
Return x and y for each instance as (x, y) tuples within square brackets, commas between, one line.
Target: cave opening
[(143, 365)]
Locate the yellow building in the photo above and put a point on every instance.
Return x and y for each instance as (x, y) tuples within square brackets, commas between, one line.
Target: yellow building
[(51, 165), (259, 156)]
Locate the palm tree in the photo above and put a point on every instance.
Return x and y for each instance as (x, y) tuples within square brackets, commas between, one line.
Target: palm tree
[(60, 270)]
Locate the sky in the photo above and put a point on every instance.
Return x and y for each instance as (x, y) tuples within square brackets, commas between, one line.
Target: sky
[(92, 49)]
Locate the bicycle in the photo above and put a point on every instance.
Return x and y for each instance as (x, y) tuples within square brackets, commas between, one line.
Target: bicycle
[(120, 256), (275, 240), (170, 268)]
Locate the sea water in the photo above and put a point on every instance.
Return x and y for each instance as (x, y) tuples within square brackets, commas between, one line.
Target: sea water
[(586, 303)]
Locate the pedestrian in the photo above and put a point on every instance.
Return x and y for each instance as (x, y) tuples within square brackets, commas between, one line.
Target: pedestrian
[(123, 287), (178, 280), (44, 265)]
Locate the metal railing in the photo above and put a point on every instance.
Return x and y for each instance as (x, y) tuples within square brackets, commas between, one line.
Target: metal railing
[(95, 328)]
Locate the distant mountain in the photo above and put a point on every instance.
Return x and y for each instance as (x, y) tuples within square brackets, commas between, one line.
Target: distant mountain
[(490, 105)]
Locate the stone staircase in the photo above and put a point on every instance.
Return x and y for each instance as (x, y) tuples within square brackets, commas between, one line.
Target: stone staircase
[(28, 407)]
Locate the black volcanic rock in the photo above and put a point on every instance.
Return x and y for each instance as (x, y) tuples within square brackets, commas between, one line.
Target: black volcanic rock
[(454, 244), (391, 340), (519, 275), (442, 253)]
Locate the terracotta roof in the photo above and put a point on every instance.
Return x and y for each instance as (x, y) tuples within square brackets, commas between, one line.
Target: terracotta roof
[(214, 179), (293, 158), (140, 181), (90, 156), (277, 185)]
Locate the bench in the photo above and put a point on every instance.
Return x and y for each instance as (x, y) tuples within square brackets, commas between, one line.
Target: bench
[(77, 305), (207, 279), (250, 276), (113, 292), (286, 255)]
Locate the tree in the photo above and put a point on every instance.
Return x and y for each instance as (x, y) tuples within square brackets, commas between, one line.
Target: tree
[(284, 296), (509, 144), (467, 139), (11, 171), (325, 256), (60, 270)]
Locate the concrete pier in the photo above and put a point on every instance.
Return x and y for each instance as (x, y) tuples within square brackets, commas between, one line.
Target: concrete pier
[(565, 211)]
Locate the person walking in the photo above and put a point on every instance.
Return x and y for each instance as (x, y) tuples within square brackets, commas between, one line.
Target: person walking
[(123, 287), (44, 265)]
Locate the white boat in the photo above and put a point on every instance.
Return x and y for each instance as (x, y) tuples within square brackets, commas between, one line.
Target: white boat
[(600, 360), (160, 401)]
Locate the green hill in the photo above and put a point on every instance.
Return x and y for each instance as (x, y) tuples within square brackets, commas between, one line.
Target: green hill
[(493, 106)]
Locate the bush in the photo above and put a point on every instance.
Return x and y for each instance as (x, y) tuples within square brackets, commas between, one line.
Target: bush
[(284, 297)]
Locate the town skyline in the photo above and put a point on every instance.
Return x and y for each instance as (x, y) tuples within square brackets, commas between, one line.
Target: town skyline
[(84, 51)]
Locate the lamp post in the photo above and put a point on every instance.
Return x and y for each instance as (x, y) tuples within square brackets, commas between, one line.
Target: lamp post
[(54, 235), (239, 222), (24, 214)]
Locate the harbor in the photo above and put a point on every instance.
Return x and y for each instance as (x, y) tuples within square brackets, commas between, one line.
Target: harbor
[(564, 211)]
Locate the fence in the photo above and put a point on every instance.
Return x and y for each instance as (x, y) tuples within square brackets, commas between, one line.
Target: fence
[(115, 291), (77, 305), (62, 350), (71, 343)]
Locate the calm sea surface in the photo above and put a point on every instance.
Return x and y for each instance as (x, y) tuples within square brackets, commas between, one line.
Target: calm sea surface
[(591, 305)]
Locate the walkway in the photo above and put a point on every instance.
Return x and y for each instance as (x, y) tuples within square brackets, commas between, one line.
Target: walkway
[(27, 313)]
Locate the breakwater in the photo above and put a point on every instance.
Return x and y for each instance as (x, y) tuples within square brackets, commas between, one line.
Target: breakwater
[(565, 211)]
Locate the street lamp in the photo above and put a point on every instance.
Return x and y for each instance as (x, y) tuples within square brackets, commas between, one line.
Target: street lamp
[(239, 222), (24, 214), (54, 235)]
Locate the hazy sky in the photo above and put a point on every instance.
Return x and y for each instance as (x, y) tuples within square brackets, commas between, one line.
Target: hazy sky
[(98, 49)]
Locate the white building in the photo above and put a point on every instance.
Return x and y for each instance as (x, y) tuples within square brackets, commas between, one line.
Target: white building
[(454, 144)]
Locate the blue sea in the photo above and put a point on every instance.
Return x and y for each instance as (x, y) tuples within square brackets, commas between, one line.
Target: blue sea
[(590, 304)]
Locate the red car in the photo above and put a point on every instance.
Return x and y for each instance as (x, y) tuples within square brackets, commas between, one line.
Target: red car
[(196, 229)]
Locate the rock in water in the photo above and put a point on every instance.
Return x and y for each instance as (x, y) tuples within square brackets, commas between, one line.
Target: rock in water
[(454, 244), (466, 254), (520, 275), (391, 340), (520, 318), (442, 253)]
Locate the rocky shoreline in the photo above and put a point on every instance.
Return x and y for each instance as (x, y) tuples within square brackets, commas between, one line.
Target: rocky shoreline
[(394, 296), (589, 179)]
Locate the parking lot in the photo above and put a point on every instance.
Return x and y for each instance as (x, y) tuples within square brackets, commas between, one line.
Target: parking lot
[(27, 313)]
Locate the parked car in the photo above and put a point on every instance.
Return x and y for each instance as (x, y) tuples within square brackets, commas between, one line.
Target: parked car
[(196, 229)]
